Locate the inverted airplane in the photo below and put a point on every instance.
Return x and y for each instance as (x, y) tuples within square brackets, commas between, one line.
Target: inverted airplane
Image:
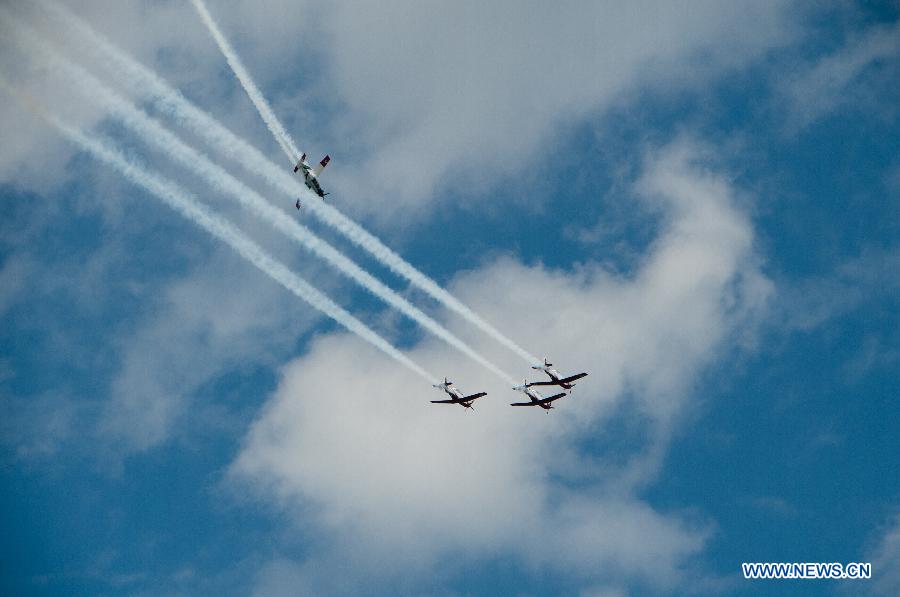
[(456, 397), (555, 379), (311, 176), (536, 399)]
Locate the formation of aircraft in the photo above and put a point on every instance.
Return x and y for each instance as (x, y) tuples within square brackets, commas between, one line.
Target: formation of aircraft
[(456, 397), (555, 379), (311, 175), (311, 179), (534, 397)]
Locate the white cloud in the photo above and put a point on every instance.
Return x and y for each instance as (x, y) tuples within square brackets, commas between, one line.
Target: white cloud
[(34, 427), (217, 318), (810, 303), (14, 271), (459, 95), (351, 450), (282, 578), (845, 77), (885, 560)]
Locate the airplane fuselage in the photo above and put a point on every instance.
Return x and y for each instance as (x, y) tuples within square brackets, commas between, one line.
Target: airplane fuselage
[(536, 398), (312, 183), (555, 378), (309, 178), (455, 393), (457, 397)]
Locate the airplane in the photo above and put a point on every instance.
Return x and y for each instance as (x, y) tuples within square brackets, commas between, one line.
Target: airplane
[(536, 399), (555, 379), (456, 396), (311, 176)]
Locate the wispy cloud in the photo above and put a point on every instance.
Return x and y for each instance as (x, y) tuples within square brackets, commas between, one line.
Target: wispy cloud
[(809, 303), (839, 79), (885, 559)]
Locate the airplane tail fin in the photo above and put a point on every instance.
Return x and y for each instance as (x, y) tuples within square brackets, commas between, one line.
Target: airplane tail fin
[(318, 169)]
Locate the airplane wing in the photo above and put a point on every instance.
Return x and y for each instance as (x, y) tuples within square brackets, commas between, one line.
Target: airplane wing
[(523, 404), (572, 378), (551, 398), (541, 383), (318, 169), (457, 400), (474, 396)]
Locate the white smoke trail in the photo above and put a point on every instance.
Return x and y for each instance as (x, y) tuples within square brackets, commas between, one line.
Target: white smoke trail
[(262, 106), (188, 206), (216, 176), (169, 100)]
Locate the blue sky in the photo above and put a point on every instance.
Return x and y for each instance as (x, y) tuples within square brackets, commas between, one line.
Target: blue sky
[(699, 207)]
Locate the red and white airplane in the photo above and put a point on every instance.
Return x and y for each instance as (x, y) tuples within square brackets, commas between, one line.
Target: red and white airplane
[(555, 378), (536, 399), (311, 176), (456, 397)]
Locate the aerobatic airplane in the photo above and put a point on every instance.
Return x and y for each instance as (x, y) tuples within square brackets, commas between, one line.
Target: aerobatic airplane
[(555, 379), (311, 176), (456, 397), (536, 399)]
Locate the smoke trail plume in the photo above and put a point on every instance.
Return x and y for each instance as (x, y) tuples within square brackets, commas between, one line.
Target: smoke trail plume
[(189, 207), (169, 100), (253, 92), (219, 178)]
